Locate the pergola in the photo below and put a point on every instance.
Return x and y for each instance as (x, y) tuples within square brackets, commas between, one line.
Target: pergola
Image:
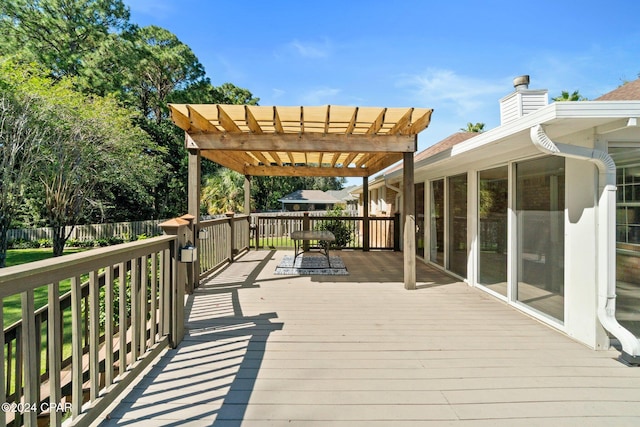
[(330, 140)]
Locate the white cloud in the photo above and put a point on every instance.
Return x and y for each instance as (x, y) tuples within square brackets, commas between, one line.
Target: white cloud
[(277, 93), (320, 96), (311, 50), (446, 90)]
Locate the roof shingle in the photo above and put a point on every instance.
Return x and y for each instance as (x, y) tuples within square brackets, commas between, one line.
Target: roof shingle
[(629, 91)]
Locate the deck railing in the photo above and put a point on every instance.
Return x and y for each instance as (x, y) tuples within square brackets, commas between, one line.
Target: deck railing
[(220, 240), (274, 231), (74, 357)]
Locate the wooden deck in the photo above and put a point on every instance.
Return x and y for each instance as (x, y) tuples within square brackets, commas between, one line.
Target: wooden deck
[(360, 350)]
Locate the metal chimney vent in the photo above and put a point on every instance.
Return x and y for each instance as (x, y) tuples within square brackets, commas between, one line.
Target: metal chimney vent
[(521, 82)]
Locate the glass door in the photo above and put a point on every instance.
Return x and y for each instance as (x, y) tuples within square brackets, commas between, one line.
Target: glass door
[(540, 227), (493, 188)]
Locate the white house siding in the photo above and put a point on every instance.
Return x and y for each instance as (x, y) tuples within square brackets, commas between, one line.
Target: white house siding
[(581, 320)]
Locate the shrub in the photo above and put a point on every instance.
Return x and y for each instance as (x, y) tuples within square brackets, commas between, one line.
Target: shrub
[(339, 228), (45, 243)]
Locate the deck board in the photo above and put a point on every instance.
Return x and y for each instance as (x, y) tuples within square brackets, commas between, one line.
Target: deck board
[(360, 350)]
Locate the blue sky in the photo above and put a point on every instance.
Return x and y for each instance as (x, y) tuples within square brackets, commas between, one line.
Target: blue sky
[(458, 57)]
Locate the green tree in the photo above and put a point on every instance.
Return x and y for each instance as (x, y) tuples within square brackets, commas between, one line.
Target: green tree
[(21, 134), (223, 192), (566, 96), (203, 92), (90, 145), (166, 64), (471, 127), (61, 34)]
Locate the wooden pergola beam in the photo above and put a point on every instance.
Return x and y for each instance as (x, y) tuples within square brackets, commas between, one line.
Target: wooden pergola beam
[(311, 142), (304, 171)]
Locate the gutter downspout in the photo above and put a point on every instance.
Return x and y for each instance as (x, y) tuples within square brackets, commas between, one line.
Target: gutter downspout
[(606, 237)]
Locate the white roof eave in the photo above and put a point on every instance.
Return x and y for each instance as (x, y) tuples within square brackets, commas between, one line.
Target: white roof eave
[(589, 113)]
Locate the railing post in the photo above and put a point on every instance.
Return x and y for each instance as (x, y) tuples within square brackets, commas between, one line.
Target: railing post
[(231, 242), (176, 227), (306, 223), (193, 268), (396, 231)]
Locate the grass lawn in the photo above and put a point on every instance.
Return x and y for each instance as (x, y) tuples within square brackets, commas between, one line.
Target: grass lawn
[(12, 310)]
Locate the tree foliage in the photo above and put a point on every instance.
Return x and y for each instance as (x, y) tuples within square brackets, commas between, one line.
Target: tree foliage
[(90, 145), (471, 127), (62, 35), (165, 65), (223, 192), (566, 96), (21, 134)]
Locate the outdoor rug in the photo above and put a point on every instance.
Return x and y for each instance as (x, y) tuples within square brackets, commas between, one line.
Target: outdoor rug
[(311, 266)]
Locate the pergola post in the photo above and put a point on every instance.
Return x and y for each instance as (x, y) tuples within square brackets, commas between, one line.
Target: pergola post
[(409, 212), (193, 208), (365, 214), (247, 195)]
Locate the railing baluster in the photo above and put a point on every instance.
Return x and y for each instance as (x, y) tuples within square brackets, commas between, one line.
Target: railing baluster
[(9, 372), (76, 347), (17, 388), (135, 308), (165, 291), (144, 280), (108, 326), (30, 355), (38, 341), (122, 318), (154, 299), (54, 328), (94, 334)]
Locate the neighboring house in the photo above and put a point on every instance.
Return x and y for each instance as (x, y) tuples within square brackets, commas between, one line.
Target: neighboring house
[(345, 197), (527, 211), (308, 200)]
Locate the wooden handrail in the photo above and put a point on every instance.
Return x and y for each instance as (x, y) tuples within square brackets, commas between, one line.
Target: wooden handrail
[(144, 270)]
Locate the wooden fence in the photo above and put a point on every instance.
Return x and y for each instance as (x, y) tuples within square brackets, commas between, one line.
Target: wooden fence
[(127, 230)]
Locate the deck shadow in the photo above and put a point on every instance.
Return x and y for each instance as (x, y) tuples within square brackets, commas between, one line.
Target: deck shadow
[(210, 377)]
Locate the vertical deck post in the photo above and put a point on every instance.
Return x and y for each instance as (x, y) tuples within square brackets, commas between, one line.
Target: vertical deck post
[(306, 224), (178, 278), (409, 205), (192, 268), (396, 231), (194, 193), (365, 214), (247, 195)]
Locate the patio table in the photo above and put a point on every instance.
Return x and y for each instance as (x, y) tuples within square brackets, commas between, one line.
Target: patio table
[(301, 236)]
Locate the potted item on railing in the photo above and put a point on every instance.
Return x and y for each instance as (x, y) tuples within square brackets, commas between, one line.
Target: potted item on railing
[(229, 214), (188, 253)]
